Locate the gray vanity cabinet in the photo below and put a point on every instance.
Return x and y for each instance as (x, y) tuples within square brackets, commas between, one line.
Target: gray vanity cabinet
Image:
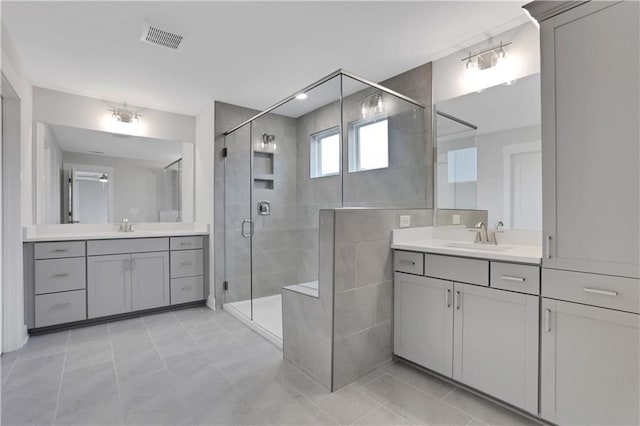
[(149, 280), (590, 135), (495, 347), (589, 365), (108, 285), (423, 321)]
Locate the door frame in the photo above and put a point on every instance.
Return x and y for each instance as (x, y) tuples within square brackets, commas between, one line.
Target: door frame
[(507, 153)]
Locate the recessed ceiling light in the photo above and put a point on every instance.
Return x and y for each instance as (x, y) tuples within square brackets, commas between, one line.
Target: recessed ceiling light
[(301, 96)]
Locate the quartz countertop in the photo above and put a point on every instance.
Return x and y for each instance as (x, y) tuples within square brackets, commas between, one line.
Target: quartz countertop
[(458, 243), (74, 232)]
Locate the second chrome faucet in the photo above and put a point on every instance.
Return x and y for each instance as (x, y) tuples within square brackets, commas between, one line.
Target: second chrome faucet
[(484, 236)]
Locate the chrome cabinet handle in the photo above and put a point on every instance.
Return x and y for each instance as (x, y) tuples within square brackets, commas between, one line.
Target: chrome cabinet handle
[(60, 250), (66, 274), (407, 262), (448, 298), (186, 264), (458, 297), (602, 292), (547, 320), (187, 287), (185, 244), (61, 306), (512, 278), (547, 243)]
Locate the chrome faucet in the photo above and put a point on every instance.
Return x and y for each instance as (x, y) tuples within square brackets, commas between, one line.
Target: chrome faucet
[(125, 225), (492, 234), (481, 233)]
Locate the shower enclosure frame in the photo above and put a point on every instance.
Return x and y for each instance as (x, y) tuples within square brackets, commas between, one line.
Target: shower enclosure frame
[(252, 215)]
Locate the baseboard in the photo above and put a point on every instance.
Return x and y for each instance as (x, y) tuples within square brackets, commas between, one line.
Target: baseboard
[(211, 302), (25, 335)]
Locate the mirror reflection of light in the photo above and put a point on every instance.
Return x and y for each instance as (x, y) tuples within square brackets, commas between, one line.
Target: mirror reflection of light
[(476, 80), (135, 128)]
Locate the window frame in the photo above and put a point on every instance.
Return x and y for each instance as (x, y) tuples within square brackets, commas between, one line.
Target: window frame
[(315, 152), (354, 142)]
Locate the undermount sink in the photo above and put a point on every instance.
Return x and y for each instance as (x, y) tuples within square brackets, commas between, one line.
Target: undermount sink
[(473, 246)]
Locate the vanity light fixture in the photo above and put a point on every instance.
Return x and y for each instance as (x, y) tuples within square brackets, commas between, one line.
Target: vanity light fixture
[(487, 58), (301, 96), (123, 115), (489, 68), (268, 141)]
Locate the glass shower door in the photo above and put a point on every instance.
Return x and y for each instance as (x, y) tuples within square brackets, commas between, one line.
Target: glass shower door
[(238, 223)]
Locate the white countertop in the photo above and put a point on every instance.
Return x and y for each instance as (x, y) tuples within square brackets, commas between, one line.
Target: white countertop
[(71, 232), (456, 242)]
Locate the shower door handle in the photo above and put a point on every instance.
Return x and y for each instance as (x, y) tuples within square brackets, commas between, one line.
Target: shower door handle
[(250, 233)]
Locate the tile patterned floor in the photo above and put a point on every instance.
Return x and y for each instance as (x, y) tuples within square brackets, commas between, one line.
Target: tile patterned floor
[(199, 366)]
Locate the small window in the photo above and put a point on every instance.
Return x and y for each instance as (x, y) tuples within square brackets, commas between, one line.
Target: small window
[(463, 165), (369, 144), (325, 153)]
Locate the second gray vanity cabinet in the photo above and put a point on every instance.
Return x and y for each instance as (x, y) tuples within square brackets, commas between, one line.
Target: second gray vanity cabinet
[(108, 285), (149, 280), (423, 321), (589, 365), (495, 346)]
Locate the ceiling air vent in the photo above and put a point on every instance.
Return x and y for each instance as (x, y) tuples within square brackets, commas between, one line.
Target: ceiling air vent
[(161, 36)]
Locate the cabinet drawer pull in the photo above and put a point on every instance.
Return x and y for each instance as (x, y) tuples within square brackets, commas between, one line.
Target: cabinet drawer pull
[(186, 287), (458, 297), (60, 306), (602, 292), (547, 320), (512, 278), (185, 244), (448, 298), (66, 274), (407, 262), (60, 250), (186, 264)]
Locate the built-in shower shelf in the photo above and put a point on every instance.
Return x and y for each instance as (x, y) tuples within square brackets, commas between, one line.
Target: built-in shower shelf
[(263, 169), (263, 181), (263, 177)]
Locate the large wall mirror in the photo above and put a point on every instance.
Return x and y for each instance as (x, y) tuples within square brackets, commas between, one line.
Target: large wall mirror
[(93, 177), (489, 156)]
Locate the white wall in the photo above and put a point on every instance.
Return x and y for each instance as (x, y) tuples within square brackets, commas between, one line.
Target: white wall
[(449, 79), (204, 184), (55, 107), (47, 175), (14, 331)]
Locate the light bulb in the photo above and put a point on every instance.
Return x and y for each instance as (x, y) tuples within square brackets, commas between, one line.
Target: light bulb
[(301, 96)]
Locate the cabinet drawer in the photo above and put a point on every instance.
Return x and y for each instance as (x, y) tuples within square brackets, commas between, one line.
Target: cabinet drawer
[(460, 269), (186, 243), (514, 277), (592, 289), (186, 263), (53, 275), (59, 249), (408, 261), (128, 245), (59, 308), (185, 290)]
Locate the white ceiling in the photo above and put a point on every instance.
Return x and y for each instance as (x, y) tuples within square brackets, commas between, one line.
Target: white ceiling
[(246, 53), (73, 139)]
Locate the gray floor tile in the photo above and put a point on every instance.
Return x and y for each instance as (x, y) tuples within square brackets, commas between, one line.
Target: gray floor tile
[(153, 399), (33, 375), (413, 404), (228, 322), (36, 409), (228, 409), (383, 416), (484, 410), (135, 361), (127, 337), (107, 411), (425, 382), (88, 352), (298, 411), (86, 387), (6, 363), (128, 326), (83, 334), (174, 343), (46, 344), (346, 405), (247, 337)]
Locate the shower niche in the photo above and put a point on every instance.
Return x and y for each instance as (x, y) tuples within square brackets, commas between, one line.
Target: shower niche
[(263, 169)]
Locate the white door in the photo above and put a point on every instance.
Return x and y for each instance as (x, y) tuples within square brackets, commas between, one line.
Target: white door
[(496, 343), (589, 365), (149, 280), (526, 191), (108, 285), (423, 321)]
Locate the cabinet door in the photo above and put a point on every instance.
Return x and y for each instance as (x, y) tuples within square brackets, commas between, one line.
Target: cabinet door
[(108, 285), (590, 371), (496, 343), (590, 134), (423, 321), (149, 280)]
